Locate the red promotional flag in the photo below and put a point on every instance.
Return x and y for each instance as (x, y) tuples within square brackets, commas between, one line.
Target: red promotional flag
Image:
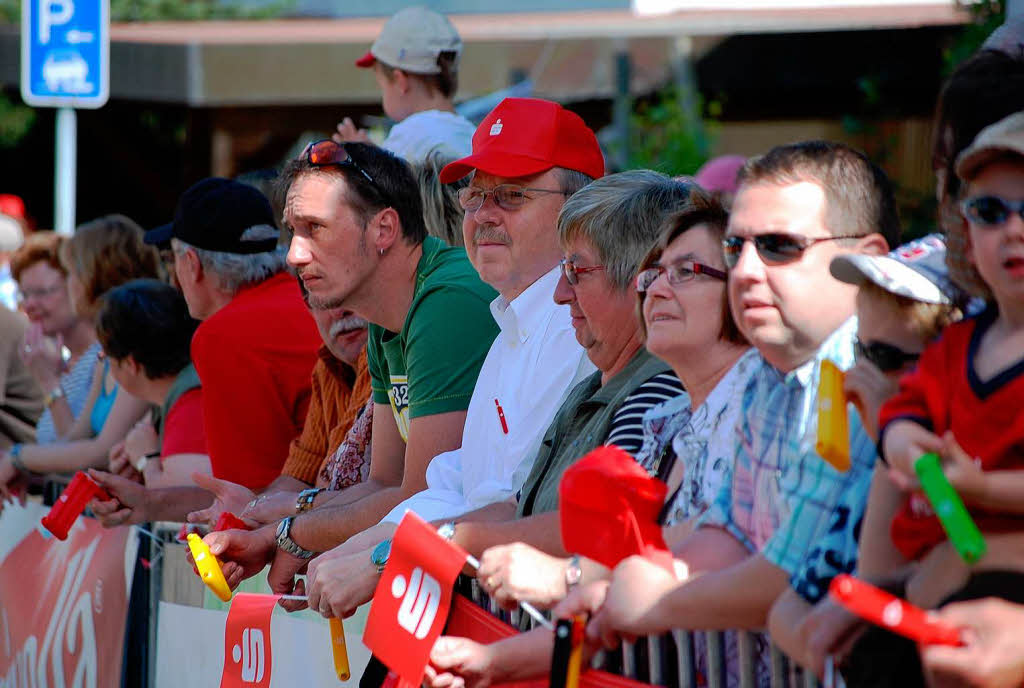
[(247, 642), (609, 509), (410, 605)]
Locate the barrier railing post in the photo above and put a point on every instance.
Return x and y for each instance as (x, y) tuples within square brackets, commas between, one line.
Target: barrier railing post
[(716, 659), (628, 659), (655, 660), (685, 665), (746, 648), (779, 669)]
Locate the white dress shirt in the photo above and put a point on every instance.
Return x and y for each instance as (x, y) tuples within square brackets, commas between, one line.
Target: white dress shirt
[(531, 366)]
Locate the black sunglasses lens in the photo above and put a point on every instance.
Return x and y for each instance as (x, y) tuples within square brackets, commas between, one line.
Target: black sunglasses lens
[(988, 210), (778, 248), (886, 357), (732, 247)]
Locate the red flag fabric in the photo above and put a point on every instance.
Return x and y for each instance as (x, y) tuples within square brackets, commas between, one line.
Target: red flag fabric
[(410, 605), (247, 642), (609, 509)]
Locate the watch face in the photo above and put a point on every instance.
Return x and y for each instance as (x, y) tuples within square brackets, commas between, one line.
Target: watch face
[(381, 552)]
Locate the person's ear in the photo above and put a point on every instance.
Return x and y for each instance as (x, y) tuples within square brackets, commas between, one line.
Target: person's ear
[(193, 266), (873, 244), (132, 365), (387, 230), (401, 81)]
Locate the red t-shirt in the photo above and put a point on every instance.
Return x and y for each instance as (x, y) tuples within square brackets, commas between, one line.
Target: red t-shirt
[(184, 431), (254, 358), (944, 393)]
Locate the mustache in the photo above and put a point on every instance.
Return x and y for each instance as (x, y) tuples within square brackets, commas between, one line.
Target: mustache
[(352, 322), (490, 233)]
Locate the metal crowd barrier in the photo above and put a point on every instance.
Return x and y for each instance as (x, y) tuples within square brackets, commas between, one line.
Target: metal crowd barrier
[(670, 659)]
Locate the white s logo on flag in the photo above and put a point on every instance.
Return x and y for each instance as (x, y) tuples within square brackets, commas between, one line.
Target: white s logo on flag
[(251, 655), (422, 596)]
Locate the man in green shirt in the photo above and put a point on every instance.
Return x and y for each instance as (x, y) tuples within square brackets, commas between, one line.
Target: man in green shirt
[(359, 242)]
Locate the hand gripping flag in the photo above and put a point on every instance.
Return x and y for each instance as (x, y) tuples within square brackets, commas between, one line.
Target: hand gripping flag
[(411, 603), (609, 509), (247, 642)]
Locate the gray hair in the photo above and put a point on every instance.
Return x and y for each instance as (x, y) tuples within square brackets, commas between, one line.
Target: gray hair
[(622, 215), (235, 271)]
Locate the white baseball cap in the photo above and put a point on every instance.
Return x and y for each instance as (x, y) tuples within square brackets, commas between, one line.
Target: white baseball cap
[(916, 270), (412, 40)]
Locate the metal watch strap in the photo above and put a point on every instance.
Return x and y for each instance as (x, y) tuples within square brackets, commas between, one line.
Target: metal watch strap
[(305, 500), (573, 573), (285, 542)]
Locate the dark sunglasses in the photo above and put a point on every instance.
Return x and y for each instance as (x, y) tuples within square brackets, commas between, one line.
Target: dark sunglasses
[(775, 248), (683, 271), (990, 211), (886, 357), (327, 152)]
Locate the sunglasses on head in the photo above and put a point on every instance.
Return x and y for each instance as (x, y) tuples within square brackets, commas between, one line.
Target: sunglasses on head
[(886, 357), (990, 211), (774, 248), (327, 152)]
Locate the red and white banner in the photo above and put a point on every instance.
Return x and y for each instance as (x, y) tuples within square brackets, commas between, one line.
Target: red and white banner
[(248, 658), (410, 604), (63, 605)]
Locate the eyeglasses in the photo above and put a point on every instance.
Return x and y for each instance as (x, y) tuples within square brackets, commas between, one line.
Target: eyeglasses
[(775, 248), (328, 152), (506, 196), (886, 357), (26, 294), (990, 211), (683, 271), (572, 273)]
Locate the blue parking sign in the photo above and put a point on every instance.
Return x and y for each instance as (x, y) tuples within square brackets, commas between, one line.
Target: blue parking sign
[(65, 53)]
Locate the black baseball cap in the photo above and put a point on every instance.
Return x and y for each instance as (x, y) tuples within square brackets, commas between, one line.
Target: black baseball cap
[(214, 213)]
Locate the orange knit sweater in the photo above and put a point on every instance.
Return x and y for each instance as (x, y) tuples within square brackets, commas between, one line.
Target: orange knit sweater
[(338, 395)]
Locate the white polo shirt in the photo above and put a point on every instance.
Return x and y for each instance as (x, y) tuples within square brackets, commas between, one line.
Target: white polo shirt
[(531, 366)]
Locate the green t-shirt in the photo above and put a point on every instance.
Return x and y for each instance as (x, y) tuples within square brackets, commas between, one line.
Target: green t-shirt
[(431, 366)]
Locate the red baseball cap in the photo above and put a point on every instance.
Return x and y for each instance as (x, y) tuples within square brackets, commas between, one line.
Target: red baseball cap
[(522, 137)]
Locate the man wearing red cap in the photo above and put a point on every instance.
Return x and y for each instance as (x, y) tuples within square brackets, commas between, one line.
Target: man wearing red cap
[(510, 233)]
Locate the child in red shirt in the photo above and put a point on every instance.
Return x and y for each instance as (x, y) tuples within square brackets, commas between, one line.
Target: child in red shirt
[(964, 400)]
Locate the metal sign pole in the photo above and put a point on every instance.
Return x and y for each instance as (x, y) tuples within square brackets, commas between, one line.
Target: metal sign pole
[(65, 167)]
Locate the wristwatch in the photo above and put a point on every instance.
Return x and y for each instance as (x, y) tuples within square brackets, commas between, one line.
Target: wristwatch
[(52, 396), (15, 453), (573, 573), (447, 531), (305, 500), (380, 555), (140, 465), (285, 542)]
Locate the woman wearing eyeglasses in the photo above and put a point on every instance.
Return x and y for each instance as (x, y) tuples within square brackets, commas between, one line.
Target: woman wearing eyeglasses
[(43, 294), (101, 255)]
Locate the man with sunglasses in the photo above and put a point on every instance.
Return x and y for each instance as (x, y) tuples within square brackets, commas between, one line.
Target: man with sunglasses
[(797, 207)]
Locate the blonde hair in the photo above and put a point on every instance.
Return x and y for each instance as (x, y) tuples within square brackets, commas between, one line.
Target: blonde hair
[(925, 320), (441, 210)]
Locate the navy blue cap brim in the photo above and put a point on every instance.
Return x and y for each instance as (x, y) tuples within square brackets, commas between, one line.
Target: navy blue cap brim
[(159, 235)]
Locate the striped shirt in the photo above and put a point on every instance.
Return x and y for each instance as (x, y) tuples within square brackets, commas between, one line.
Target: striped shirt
[(75, 383), (627, 427)]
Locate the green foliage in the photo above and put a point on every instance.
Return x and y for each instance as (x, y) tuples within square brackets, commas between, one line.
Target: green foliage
[(668, 133), (15, 121), (986, 17)]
